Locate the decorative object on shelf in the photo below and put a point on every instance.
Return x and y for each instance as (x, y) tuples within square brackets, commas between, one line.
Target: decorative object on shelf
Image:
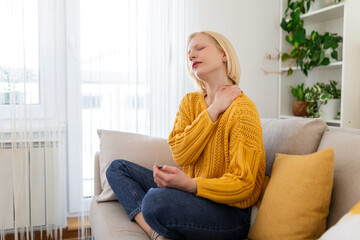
[(319, 96), (299, 105), (307, 51), (331, 110)]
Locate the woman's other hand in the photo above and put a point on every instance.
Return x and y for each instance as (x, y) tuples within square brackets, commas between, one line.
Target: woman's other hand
[(172, 177), (224, 96)]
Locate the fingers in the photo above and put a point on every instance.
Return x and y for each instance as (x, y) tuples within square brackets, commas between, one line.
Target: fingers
[(233, 92), (237, 92), (161, 183), (172, 177), (169, 169), (159, 180), (162, 178), (229, 88)]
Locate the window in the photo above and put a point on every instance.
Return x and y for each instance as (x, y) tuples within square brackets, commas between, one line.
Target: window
[(19, 58), (113, 76), (129, 74)]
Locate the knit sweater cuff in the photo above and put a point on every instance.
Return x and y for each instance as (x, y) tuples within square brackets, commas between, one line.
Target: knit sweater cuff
[(200, 191)]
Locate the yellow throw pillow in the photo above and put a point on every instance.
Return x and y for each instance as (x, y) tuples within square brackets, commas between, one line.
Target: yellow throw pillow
[(296, 201), (347, 227)]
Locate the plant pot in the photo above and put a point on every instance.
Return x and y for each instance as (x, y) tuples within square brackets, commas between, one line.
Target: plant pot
[(330, 110), (299, 108)]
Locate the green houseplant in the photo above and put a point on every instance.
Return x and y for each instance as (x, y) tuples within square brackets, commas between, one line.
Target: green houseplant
[(299, 104), (320, 94), (307, 51)]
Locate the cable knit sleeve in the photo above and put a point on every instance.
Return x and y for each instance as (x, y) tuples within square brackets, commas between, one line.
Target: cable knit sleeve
[(188, 138), (241, 183)]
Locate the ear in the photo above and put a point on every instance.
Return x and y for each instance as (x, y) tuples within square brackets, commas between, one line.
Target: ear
[(224, 58)]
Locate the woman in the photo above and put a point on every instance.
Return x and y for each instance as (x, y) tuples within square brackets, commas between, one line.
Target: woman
[(217, 140)]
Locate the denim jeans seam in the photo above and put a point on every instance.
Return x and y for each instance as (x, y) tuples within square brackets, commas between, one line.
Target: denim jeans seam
[(239, 227), (134, 212), (132, 190), (138, 170)]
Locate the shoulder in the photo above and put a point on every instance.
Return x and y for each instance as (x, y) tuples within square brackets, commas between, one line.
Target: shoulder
[(191, 99), (243, 114), (245, 124), (243, 106)]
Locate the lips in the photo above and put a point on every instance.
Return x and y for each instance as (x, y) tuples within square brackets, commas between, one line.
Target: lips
[(195, 64)]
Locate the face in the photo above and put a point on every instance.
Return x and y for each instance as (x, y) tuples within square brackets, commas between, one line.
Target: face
[(204, 57)]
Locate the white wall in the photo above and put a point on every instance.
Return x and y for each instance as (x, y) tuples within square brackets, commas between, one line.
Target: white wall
[(253, 27), (351, 71)]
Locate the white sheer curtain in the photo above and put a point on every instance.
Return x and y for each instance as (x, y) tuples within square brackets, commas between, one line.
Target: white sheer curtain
[(32, 135), (133, 75), (133, 72)]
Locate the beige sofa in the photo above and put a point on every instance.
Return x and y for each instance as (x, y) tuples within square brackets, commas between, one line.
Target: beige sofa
[(109, 220)]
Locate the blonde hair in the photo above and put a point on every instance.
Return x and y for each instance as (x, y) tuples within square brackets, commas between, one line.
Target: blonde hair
[(233, 71)]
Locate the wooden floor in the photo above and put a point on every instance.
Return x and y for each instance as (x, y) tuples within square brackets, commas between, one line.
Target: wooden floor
[(69, 233), (74, 224)]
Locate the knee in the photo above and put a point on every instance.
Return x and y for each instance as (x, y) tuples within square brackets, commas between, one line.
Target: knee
[(113, 169), (155, 205)]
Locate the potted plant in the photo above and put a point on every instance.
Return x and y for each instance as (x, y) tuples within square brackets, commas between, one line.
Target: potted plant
[(308, 51), (299, 105), (324, 100), (330, 101)]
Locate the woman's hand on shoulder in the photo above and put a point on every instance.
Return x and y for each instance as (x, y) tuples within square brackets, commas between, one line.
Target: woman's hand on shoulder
[(224, 96), (172, 177)]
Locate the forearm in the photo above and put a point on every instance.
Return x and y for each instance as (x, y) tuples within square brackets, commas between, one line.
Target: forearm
[(188, 143), (213, 113), (227, 189)]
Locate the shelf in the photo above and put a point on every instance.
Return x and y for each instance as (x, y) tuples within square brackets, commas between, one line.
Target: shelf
[(288, 117), (327, 121), (333, 121), (324, 14), (332, 65)]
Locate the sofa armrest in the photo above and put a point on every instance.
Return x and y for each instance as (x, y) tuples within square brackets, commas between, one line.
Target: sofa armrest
[(97, 183)]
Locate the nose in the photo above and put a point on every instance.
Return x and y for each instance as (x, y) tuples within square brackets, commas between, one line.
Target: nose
[(192, 56)]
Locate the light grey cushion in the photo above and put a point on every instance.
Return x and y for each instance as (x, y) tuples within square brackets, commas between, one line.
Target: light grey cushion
[(346, 188), (296, 136), (109, 221), (140, 149)]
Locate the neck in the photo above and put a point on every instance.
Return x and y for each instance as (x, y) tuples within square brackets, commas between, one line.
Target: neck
[(213, 84)]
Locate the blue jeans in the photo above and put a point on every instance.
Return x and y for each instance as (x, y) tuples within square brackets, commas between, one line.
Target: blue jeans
[(174, 213)]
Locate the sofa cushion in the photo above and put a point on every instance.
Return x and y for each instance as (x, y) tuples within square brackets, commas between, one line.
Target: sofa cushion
[(140, 149), (346, 190), (347, 227), (109, 221), (296, 136), (296, 201)]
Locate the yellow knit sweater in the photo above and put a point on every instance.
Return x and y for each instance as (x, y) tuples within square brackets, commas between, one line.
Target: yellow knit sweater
[(226, 158)]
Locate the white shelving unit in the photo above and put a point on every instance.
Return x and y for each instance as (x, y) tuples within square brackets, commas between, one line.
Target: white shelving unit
[(326, 13), (324, 16), (333, 65)]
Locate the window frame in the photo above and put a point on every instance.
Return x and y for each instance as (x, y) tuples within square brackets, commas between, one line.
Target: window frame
[(46, 107)]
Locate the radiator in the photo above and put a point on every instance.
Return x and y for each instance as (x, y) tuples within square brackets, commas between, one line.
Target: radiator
[(30, 185)]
